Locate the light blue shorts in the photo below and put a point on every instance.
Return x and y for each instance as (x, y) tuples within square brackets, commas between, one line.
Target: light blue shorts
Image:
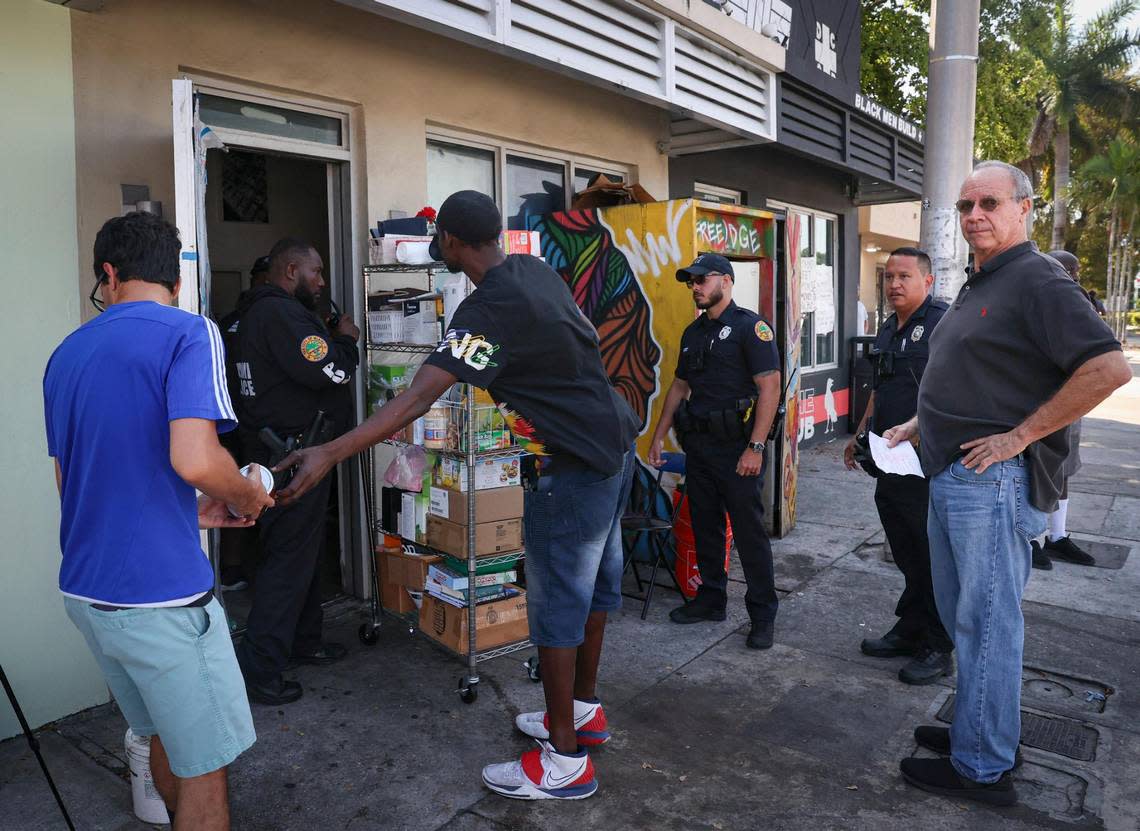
[(173, 672)]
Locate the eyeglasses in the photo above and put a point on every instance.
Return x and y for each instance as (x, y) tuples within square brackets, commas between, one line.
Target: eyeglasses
[(986, 203), (95, 299), (699, 279)]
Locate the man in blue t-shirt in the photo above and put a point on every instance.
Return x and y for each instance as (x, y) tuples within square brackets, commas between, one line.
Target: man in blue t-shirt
[(133, 403)]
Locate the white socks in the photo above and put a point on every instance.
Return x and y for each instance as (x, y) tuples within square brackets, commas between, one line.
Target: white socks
[(1057, 521)]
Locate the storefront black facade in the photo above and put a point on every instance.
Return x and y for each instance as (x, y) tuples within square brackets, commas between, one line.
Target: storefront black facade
[(835, 151)]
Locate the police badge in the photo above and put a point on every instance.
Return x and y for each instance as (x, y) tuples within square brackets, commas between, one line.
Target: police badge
[(916, 334)]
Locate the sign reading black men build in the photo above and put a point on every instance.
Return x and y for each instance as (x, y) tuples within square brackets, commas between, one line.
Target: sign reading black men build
[(888, 117), (823, 50)]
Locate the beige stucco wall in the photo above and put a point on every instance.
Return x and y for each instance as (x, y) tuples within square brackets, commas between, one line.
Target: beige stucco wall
[(398, 79)]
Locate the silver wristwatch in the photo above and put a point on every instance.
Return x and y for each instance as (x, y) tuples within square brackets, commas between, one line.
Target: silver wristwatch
[(758, 446)]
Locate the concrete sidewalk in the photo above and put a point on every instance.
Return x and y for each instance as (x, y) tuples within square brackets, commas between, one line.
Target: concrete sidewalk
[(708, 734)]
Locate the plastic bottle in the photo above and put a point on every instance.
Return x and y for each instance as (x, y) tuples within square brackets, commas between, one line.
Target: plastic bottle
[(148, 804), (435, 426)]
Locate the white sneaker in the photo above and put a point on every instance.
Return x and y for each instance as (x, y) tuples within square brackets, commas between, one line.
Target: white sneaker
[(543, 773), (589, 723)]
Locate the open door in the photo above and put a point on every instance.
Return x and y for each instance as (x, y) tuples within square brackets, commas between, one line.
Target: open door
[(193, 272), (186, 195)]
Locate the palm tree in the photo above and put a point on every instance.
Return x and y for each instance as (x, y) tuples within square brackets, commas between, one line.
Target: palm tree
[(1118, 169), (1085, 69)]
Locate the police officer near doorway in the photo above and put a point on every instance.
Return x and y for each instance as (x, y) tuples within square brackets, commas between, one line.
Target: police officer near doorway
[(290, 372), (899, 356), (722, 402)]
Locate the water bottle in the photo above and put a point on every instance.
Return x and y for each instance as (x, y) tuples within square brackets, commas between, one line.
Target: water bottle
[(148, 804)]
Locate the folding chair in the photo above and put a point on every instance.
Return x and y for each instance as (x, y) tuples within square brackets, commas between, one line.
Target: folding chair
[(643, 520)]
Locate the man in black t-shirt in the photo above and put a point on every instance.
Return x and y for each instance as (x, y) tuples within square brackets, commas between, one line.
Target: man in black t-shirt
[(1019, 356), (521, 337)]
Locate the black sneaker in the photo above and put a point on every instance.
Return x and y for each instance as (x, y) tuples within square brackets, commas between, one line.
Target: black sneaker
[(927, 667), (760, 636), (888, 646), (938, 740), (275, 692), (1040, 558), (695, 613), (938, 776), (1068, 550)]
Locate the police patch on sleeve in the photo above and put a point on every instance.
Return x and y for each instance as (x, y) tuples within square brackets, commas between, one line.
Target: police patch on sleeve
[(763, 331), (314, 348)]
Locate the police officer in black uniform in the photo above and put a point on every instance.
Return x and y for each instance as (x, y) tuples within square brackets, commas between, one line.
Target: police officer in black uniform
[(721, 403), (900, 354), (288, 367)]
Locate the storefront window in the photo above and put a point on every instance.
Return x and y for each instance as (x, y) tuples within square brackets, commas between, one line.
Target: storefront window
[(533, 188), (257, 117), (525, 181), (584, 175), (819, 302), (825, 321), (452, 167)]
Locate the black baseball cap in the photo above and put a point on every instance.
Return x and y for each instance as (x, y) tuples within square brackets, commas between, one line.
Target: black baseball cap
[(260, 264), (470, 215), (706, 264)]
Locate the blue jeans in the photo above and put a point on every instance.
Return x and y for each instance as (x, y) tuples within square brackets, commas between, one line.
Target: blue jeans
[(980, 526), (572, 522)]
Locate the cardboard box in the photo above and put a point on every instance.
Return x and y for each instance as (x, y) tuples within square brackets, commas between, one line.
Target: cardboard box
[(496, 623), (490, 505), (489, 473), (409, 570), (386, 326), (490, 537), (393, 596)]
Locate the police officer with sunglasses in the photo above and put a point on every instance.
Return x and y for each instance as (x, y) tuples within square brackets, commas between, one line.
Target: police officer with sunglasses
[(721, 405)]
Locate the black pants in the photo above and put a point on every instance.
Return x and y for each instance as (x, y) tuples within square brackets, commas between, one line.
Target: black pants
[(902, 502), (713, 486), (286, 617)]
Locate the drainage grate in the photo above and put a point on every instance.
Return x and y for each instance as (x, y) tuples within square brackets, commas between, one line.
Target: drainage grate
[(1053, 735)]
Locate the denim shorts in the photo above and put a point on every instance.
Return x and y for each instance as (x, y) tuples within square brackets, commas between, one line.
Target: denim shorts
[(572, 521), (173, 673)]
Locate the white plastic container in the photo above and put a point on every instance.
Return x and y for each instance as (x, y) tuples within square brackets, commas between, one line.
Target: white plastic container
[(266, 482), (148, 804)]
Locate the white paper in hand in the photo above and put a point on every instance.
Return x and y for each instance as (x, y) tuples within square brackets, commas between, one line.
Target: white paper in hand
[(900, 459)]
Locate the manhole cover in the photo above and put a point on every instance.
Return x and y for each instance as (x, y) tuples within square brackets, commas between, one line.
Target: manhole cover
[(1053, 735), (1055, 689)]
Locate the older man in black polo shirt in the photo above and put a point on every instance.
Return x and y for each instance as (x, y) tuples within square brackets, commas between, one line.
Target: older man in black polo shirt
[(1020, 355)]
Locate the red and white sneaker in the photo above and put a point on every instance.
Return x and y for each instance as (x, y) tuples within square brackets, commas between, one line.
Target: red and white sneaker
[(543, 773), (589, 723)]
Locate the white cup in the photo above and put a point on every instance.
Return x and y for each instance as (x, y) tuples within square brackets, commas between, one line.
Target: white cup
[(266, 482)]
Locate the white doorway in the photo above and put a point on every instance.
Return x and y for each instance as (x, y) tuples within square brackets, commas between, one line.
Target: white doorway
[(250, 170)]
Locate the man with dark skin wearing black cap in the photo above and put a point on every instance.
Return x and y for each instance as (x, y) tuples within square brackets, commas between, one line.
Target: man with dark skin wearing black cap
[(722, 401), (521, 336)]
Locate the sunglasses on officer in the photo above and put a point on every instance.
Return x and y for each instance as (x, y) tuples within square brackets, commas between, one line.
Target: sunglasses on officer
[(699, 279)]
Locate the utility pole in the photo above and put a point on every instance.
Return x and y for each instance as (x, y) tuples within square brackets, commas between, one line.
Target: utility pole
[(953, 82)]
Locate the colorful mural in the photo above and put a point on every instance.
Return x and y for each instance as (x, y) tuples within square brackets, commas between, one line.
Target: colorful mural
[(621, 264)]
